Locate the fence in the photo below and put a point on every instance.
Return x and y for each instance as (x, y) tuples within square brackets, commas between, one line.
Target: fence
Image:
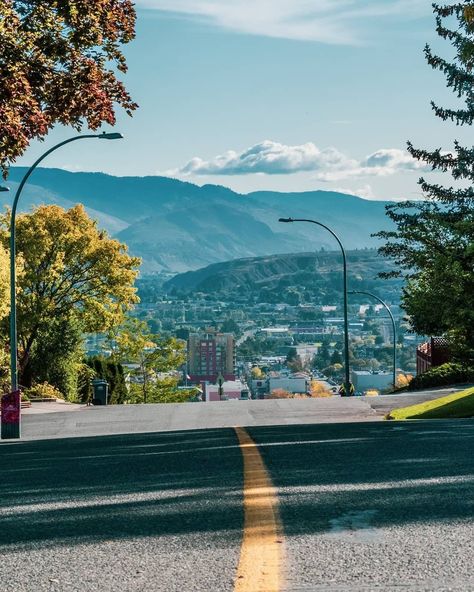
[(432, 353)]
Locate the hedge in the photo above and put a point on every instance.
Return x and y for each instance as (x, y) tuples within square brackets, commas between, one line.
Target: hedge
[(450, 373)]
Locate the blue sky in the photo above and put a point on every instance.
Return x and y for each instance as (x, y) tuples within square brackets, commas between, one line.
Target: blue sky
[(285, 95)]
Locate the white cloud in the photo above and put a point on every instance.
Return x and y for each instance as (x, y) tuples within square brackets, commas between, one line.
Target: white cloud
[(270, 158), (327, 21), (328, 164), (382, 163)]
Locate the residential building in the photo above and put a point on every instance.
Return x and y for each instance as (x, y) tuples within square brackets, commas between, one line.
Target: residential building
[(364, 380), (293, 384), (229, 390), (432, 353), (210, 355)]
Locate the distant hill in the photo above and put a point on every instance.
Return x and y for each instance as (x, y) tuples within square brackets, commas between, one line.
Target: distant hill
[(319, 272), (177, 226)]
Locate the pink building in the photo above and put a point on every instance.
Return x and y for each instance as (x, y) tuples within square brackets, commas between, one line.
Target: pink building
[(231, 389)]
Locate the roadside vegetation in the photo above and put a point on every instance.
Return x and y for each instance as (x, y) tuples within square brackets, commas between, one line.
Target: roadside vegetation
[(59, 64), (446, 374), (457, 405), (74, 279)]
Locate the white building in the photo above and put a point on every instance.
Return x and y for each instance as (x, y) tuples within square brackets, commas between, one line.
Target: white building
[(364, 380), (290, 384)]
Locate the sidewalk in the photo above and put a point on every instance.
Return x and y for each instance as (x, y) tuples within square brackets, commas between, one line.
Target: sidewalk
[(56, 407)]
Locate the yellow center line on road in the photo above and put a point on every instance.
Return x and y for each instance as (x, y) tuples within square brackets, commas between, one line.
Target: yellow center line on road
[(261, 556)]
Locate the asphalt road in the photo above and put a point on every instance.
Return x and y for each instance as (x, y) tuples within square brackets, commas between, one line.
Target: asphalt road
[(121, 513), (385, 506), (74, 420), (364, 506)]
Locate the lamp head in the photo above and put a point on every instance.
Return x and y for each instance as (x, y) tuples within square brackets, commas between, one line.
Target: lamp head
[(286, 220), (3, 188), (110, 136)]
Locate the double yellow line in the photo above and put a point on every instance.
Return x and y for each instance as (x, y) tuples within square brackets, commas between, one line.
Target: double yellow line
[(261, 555)]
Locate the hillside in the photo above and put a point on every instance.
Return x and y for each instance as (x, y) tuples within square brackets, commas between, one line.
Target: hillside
[(177, 226), (319, 273)]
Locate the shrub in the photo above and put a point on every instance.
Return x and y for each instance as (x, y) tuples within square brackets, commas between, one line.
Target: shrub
[(318, 390), (281, 394), (450, 373), (403, 380), (109, 370), (43, 390)]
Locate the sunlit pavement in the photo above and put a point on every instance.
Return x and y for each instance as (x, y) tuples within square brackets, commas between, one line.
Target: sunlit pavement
[(62, 420)]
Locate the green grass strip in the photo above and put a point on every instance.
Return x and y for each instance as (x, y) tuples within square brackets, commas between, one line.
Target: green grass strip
[(457, 405)]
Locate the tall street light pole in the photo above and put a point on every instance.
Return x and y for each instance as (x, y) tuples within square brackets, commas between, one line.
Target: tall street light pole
[(347, 379), (12, 429), (385, 305)]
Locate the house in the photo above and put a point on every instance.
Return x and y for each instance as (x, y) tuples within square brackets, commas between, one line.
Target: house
[(431, 354)]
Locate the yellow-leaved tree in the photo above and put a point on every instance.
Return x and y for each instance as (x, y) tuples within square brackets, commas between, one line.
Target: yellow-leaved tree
[(74, 278)]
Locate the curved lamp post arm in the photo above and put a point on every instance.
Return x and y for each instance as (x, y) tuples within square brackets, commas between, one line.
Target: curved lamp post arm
[(13, 334), (319, 224), (36, 163), (347, 378), (387, 308)]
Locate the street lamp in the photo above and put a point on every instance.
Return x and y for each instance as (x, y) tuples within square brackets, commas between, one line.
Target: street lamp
[(3, 188), (384, 304), (12, 430), (347, 379)]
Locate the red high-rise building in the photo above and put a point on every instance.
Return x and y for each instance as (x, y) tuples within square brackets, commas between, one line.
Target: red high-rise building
[(210, 355)]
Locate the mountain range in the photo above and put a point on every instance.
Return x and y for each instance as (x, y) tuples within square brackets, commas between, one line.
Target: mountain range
[(177, 226)]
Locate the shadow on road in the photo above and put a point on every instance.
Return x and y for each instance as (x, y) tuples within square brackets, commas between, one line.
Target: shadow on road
[(90, 489), (60, 492), (400, 473)]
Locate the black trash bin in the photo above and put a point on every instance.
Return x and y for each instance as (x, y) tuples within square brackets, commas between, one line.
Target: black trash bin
[(100, 391)]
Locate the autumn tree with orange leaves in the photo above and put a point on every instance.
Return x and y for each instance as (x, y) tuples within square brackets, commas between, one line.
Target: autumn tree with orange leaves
[(58, 64)]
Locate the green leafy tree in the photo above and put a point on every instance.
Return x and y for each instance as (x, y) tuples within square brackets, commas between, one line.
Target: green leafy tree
[(433, 242), (334, 370), (293, 360), (152, 355), (71, 272), (56, 356), (4, 309), (323, 357), (310, 315), (4, 282), (58, 64)]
